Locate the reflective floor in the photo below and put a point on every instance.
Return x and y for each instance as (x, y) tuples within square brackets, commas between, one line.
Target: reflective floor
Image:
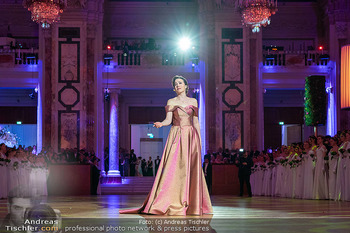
[(231, 214)]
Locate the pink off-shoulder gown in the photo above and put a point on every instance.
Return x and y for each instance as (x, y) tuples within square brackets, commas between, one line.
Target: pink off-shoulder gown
[(179, 187)]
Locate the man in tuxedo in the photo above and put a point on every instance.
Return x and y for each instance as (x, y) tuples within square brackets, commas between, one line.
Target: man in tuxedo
[(207, 169), (245, 164), (208, 155), (132, 161), (156, 164), (95, 175)]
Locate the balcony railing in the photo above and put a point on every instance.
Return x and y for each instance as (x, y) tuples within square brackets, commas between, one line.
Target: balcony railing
[(146, 58), (10, 57), (295, 58)]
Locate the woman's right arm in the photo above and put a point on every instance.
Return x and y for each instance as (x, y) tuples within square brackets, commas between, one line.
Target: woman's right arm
[(167, 121)]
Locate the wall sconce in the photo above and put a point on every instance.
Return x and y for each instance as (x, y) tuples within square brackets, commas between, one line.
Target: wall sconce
[(107, 58), (32, 95), (329, 90), (107, 95)]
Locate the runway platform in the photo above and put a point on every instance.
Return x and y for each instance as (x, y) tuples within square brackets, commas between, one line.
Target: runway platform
[(231, 214)]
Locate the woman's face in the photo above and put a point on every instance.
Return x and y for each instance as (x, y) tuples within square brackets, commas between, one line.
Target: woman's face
[(342, 138), (306, 145), (311, 140), (332, 142), (348, 137), (319, 140), (179, 86)]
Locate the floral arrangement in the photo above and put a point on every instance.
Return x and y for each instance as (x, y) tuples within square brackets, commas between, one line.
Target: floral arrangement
[(315, 100), (8, 138), (6, 161), (15, 165), (294, 163), (333, 153), (283, 162), (271, 164)]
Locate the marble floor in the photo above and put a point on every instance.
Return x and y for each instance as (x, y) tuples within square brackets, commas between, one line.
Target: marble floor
[(231, 214)]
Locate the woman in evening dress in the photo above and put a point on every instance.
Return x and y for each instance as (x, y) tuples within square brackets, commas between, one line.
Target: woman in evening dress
[(3, 171), (179, 187), (333, 165), (308, 171), (347, 167), (320, 189), (341, 169)]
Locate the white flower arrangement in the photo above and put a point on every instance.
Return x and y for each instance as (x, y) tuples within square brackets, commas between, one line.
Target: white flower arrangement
[(8, 138)]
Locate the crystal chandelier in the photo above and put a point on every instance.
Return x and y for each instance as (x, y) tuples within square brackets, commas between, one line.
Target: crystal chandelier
[(45, 12), (256, 13)]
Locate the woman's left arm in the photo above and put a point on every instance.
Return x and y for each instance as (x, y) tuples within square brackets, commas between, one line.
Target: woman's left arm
[(196, 123)]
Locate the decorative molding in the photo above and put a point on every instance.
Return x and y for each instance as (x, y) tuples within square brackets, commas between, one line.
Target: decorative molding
[(68, 129), (69, 62), (233, 132), (232, 96), (232, 62), (69, 96)]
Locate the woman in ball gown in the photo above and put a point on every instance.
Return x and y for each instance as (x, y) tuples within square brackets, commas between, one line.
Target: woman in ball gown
[(280, 172), (179, 187), (138, 167), (347, 167), (333, 165), (3, 171), (341, 169), (320, 190), (308, 170)]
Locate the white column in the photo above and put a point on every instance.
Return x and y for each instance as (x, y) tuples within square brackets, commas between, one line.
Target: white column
[(114, 135), (39, 122), (201, 105)]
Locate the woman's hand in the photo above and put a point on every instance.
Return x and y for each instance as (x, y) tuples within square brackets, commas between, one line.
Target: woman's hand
[(157, 124)]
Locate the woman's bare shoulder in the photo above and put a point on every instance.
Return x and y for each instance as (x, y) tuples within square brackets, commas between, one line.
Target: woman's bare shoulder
[(171, 101), (194, 102)]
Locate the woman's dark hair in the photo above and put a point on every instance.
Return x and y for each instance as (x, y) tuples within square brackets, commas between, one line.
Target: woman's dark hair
[(313, 137), (322, 137), (334, 139), (183, 79)]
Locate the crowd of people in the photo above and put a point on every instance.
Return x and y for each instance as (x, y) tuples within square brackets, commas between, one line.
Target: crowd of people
[(132, 165), (319, 168), (315, 169), (22, 168)]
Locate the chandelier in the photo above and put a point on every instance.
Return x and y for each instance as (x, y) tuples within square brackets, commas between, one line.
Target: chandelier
[(45, 12), (256, 13)]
